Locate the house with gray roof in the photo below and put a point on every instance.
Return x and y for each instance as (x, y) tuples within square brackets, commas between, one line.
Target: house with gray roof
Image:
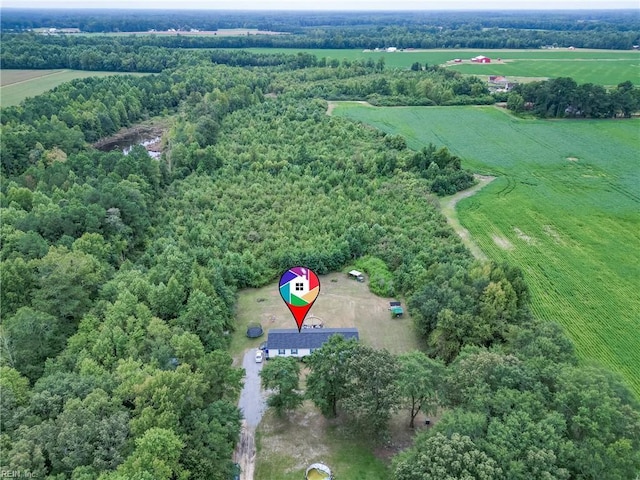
[(288, 342)]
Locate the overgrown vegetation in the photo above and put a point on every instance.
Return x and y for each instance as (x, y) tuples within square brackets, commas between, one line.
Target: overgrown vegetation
[(119, 275)]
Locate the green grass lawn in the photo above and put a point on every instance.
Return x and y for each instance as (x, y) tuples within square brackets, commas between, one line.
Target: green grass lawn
[(565, 208), (342, 302), (286, 447), (602, 67), (20, 84)]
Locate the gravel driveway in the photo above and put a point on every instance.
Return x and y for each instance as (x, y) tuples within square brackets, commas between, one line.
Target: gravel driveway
[(253, 404), (253, 401)]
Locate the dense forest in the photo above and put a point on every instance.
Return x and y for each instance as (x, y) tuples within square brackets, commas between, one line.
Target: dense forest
[(421, 29), (120, 272)]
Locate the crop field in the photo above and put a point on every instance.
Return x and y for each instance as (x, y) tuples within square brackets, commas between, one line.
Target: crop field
[(16, 85), (602, 67), (565, 208)]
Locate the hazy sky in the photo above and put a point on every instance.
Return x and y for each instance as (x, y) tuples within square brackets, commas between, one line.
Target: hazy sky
[(331, 4)]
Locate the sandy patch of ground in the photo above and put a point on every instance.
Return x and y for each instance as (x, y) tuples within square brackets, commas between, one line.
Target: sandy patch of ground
[(300, 437), (522, 236), (550, 231), (502, 242)]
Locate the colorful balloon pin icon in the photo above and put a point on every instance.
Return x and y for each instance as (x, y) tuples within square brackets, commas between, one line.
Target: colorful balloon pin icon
[(299, 288)]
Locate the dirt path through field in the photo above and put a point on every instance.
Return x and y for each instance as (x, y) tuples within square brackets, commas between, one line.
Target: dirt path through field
[(448, 207)]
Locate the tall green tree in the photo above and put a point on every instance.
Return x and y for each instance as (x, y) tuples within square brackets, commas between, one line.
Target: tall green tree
[(30, 337), (419, 380), (437, 457), (282, 376), (372, 392), (327, 382)]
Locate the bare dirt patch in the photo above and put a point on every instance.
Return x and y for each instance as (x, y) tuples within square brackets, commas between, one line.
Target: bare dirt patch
[(502, 242), (300, 437), (550, 231), (526, 238)]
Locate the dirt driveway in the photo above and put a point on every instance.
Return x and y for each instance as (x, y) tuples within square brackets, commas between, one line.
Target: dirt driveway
[(252, 404)]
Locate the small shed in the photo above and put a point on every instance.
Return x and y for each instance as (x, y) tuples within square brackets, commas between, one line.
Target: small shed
[(357, 275), (396, 309)]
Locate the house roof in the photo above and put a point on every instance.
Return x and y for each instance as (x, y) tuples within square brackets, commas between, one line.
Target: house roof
[(307, 338)]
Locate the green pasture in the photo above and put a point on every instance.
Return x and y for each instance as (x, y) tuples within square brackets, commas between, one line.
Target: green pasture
[(565, 208), (20, 84), (602, 67)]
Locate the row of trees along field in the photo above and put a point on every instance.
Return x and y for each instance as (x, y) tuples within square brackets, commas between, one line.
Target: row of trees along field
[(119, 275), (563, 97), (595, 29)]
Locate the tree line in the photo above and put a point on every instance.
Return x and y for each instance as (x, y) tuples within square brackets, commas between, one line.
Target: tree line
[(421, 29), (564, 98)]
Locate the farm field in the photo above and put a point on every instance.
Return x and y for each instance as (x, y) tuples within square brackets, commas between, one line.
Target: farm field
[(284, 448), (603, 67), (16, 85), (565, 208)]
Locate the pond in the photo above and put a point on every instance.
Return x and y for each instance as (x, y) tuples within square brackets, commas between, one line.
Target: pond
[(148, 137)]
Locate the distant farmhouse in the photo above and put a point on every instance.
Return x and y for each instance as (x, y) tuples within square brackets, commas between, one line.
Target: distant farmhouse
[(498, 83), (481, 59), (288, 342)]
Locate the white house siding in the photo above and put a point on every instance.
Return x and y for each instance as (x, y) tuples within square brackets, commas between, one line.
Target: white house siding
[(302, 352)]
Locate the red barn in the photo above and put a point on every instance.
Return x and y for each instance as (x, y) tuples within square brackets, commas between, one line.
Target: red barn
[(481, 59)]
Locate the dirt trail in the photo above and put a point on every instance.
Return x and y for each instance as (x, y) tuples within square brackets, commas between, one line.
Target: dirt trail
[(448, 207), (245, 454)]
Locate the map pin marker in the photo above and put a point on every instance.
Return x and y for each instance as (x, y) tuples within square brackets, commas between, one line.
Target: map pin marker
[(299, 288)]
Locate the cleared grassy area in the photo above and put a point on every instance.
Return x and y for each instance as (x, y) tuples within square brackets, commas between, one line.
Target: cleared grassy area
[(602, 67), (342, 302), (286, 447), (20, 84), (565, 208)]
